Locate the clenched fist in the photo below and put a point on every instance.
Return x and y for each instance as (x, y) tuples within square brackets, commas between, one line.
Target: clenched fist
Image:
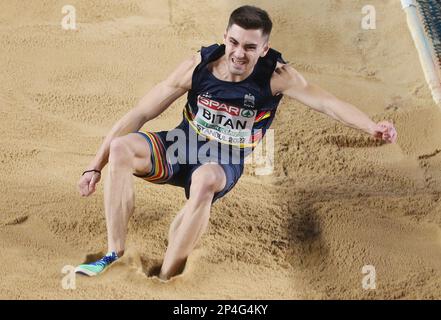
[(386, 131)]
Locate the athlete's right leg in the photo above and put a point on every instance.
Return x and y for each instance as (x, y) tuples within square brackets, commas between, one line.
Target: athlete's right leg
[(128, 155)]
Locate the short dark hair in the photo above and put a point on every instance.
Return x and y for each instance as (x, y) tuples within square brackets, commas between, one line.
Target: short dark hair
[(250, 17)]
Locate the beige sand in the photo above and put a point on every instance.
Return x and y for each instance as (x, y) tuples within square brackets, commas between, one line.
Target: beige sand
[(337, 201)]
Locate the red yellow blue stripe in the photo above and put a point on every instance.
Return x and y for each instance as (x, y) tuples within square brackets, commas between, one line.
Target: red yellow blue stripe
[(161, 169)]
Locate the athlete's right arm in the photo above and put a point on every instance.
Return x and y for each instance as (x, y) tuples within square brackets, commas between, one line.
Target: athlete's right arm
[(158, 99)]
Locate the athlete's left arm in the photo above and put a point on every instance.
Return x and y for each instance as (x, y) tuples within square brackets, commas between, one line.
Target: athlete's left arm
[(290, 82)]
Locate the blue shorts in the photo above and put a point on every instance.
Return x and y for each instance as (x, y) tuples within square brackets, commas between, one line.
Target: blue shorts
[(175, 159)]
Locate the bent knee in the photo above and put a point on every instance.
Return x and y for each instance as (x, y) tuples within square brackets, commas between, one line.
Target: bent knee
[(119, 151), (208, 180)]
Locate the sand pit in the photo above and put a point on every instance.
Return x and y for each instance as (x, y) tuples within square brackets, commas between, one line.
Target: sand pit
[(337, 200)]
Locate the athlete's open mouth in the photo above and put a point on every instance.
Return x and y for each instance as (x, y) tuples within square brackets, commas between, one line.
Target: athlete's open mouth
[(238, 62)]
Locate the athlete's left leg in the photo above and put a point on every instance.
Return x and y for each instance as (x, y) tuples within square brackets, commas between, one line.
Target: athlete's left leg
[(192, 221)]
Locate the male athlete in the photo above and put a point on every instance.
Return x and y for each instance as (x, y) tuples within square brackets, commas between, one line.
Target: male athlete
[(233, 93)]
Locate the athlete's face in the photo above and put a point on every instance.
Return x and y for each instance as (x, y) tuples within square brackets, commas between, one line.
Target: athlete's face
[(243, 49)]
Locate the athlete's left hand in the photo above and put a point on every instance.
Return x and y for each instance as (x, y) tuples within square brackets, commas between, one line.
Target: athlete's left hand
[(386, 131)]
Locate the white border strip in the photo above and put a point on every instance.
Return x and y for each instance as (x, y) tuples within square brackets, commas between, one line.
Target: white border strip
[(423, 47)]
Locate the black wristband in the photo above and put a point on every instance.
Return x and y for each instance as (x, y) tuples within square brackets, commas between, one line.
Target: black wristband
[(91, 171)]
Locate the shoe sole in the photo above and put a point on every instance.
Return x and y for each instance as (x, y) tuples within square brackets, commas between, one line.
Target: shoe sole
[(86, 272)]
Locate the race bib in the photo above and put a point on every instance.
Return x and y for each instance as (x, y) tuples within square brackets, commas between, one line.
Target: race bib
[(224, 122)]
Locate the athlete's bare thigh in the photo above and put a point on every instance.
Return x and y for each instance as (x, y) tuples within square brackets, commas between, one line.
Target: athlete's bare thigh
[(140, 152)]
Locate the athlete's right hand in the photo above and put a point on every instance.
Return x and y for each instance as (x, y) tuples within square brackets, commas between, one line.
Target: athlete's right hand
[(87, 183)]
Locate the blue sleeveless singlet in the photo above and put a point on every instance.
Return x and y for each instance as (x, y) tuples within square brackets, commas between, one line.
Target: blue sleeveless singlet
[(233, 113)]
